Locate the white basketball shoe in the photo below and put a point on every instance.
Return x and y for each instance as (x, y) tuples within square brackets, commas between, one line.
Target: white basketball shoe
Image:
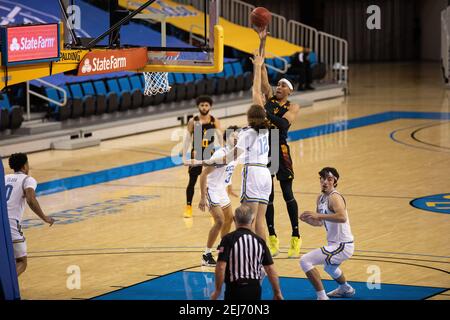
[(340, 292)]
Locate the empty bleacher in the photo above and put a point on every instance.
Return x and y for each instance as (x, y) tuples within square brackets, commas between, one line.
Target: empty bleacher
[(115, 97)]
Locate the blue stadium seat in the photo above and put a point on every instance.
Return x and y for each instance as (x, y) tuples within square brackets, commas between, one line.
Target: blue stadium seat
[(60, 113), (210, 85), (202, 84), (124, 96), (171, 78), (77, 104), (88, 100), (4, 113), (199, 76), (229, 76), (191, 86), (112, 100), (136, 84), (179, 77), (312, 58), (270, 72), (100, 99), (179, 88), (136, 94), (278, 63), (14, 114), (217, 83), (245, 77), (189, 77)]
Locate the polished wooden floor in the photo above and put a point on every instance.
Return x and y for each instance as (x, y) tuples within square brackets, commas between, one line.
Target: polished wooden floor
[(130, 241)]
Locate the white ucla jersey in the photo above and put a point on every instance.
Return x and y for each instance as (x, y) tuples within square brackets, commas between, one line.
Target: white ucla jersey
[(15, 193), (220, 178), (255, 146), (336, 232)]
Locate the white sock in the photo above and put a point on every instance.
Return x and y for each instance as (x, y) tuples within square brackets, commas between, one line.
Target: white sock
[(208, 250), (321, 294)]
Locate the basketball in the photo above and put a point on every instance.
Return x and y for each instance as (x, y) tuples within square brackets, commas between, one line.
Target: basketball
[(260, 17)]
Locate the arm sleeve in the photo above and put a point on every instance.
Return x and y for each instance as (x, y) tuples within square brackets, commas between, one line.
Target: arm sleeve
[(281, 123), (29, 182)]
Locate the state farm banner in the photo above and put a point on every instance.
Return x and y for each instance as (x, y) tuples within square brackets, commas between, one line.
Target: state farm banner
[(106, 61), (30, 43)]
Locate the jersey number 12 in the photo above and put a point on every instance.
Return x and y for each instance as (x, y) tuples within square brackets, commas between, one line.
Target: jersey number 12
[(263, 145)]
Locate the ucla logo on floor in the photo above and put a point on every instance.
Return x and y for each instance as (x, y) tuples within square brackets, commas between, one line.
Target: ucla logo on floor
[(437, 203)]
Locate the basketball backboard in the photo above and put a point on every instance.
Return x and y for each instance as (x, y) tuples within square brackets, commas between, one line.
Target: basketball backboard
[(160, 26)]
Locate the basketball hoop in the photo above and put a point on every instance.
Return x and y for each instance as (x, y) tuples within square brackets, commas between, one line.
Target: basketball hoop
[(158, 82)]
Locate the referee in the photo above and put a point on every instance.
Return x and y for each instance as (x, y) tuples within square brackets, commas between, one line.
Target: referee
[(242, 256)]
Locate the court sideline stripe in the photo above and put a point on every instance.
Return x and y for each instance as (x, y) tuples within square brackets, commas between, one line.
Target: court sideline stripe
[(85, 180), (179, 249), (354, 257)]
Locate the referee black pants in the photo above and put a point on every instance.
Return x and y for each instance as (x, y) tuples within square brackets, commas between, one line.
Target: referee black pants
[(243, 291)]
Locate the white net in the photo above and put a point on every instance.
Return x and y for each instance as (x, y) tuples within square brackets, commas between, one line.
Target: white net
[(158, 82)]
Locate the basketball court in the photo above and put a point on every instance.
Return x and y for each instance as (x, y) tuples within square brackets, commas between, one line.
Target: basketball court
[(120, 231)]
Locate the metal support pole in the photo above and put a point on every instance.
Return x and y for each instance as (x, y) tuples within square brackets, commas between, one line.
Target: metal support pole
[(68, 27), (28, 102)]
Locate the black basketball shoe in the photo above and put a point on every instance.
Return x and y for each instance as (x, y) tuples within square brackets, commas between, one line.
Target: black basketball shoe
[(208, 260)]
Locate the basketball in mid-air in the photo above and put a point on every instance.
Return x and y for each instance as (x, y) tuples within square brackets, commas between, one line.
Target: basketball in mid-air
[(260, 17)]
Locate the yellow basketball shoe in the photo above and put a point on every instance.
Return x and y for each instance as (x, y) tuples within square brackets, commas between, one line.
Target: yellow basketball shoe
[(188, 212), (294, 250), (274, 245)]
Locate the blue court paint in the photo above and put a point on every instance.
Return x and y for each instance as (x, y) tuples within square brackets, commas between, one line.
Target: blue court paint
[(188, 285), (436, 203), (103, 176), (135, 169)]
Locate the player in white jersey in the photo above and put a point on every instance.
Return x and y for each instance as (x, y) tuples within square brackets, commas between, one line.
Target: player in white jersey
[(253, 144), (332, 214), (252, 149), (20, 187), (215, 185)]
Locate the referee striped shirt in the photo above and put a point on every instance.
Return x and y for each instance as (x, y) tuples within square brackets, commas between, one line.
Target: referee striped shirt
[(245, 254)]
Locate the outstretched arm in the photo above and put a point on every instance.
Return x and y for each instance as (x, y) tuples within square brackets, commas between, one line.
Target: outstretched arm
[(265, 85), (257, 60), (266, 88)]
